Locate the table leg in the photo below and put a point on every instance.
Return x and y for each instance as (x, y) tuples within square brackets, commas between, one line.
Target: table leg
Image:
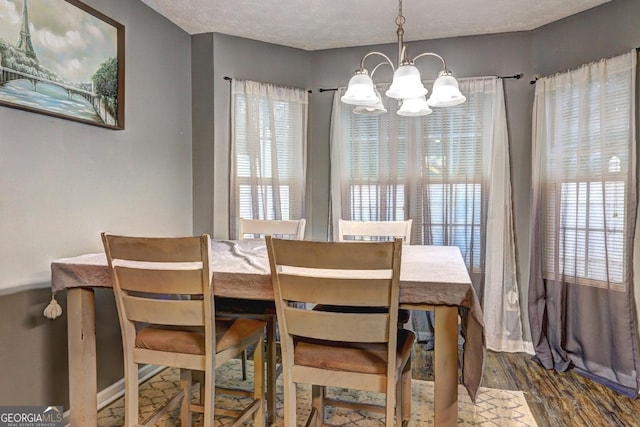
[(446, 366), (83, 382), (271, 370)]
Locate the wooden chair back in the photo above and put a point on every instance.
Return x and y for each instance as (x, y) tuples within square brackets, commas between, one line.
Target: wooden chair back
[(162, 281), (374, 230), (337, 274), (259, 228)]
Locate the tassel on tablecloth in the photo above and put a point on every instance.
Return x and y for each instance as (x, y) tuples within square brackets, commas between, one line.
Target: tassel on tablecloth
[(53, 310)]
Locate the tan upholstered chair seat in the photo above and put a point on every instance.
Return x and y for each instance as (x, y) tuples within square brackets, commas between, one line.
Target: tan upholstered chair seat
[(370, 358), (228, 332)]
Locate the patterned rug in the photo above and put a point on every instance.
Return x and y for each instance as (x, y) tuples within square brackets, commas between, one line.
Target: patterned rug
[(499, 408)]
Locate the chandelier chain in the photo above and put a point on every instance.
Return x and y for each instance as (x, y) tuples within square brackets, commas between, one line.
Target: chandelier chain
[(400, 19)]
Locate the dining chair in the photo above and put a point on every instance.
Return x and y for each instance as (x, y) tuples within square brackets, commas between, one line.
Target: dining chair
[(258, 228), (164, 296), (356, 231), (374, 230), (250, 229), (372, 354)]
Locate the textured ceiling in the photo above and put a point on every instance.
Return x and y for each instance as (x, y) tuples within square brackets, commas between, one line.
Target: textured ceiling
[(324, 24)]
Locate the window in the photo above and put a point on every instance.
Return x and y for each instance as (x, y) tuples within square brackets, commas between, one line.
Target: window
[(585, 174), (449, 173), (429, 169), (268, 152), (582, 310), (591, 218), (450, 186)]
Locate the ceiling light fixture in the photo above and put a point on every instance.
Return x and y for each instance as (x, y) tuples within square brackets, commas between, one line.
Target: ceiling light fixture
[(406, 87)]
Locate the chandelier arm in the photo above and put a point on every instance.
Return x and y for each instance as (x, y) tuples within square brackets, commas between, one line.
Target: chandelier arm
[(444, 64), (376, 53), (378, 66)]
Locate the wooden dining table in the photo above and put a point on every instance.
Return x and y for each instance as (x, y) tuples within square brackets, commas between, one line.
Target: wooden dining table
[(431, 278)]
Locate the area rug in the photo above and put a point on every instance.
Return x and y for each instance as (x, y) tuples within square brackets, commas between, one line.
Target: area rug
[(499, 408)]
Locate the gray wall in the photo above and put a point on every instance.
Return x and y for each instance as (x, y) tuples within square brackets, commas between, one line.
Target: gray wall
[(608, 30), (62, 183)]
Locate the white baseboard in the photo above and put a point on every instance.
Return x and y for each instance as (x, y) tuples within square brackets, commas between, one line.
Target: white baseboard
[(116, 390)]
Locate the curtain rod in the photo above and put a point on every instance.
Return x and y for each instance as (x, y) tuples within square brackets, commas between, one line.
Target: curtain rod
[(230, 78), (515, 76), (535, 79)]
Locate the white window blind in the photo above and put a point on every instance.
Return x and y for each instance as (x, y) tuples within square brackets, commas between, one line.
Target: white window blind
[(376, 152), (450, 160), (269, 127), (429, 169)]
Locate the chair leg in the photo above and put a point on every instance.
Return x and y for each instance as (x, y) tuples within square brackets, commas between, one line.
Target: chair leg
[(406, 393), (258, 385), (131, 398), (185, 385), (289, 391), (198, 377), (317, 400), (399, 402), (271, 369), (390, 405)]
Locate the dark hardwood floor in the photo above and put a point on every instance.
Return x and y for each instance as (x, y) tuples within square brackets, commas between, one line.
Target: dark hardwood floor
[(556, 399)]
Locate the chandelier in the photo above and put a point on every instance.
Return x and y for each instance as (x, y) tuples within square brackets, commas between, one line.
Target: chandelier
[(406, 87)]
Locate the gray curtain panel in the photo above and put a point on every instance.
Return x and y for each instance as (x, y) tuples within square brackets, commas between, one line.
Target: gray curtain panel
[(581, 291)]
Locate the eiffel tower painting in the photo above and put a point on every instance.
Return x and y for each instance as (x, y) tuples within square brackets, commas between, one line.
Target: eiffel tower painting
[(24, 44), (76, 81)]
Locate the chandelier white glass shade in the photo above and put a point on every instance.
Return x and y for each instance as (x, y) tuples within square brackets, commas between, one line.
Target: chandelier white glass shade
[(369, 110), (406, 83), (413, 107), (361, 90), (406, 86), (445, 91)]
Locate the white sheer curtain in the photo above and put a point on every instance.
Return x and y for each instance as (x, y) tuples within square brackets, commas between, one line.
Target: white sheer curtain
[(268, 152), (581, 304), (449, 172), (501, 296)]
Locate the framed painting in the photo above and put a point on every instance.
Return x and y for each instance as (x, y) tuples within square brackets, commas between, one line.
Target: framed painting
[(64, 59)]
